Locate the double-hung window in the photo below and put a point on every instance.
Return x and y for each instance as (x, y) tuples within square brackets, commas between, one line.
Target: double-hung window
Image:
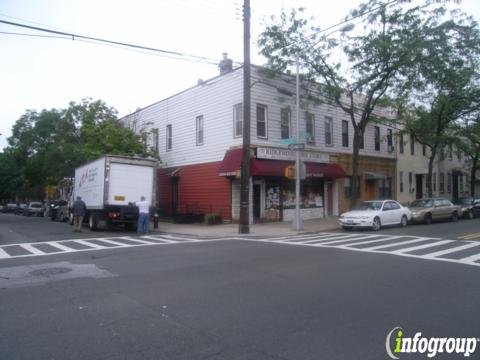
[(400, 143), (442, 183), (390, 139), (328, 131), (261, 121), (310, 128), (155, 140), (238, 120), (401, 181), (169, 137), (285, 123), (344, 133), (377, 138), (200, 133), (412, 145)]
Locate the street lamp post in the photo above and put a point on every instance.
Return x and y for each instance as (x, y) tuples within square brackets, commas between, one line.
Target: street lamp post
[(297, 219)]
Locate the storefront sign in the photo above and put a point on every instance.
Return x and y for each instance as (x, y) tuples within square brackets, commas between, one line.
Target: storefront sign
[(289, 155)]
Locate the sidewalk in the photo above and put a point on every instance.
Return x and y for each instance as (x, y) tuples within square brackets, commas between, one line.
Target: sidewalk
[(263, 229)]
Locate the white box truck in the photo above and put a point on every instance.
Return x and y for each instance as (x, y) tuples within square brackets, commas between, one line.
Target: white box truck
[(111, 185)]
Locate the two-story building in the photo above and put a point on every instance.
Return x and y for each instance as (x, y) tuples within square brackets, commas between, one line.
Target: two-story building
[(198, 134)]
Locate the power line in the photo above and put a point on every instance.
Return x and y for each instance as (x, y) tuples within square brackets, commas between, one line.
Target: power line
[(112, 42)]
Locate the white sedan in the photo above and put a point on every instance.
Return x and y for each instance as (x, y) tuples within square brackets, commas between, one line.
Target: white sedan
[(375, 214)]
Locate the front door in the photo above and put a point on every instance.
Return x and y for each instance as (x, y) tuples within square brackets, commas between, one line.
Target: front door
[(329, 198), (257, 191), (455, 186), (370, 189), (419, 186)]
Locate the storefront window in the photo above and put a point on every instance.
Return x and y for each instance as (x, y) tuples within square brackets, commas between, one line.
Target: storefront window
[(311, 194)]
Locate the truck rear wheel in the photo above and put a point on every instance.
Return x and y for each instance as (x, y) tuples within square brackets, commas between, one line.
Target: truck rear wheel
[(93, 221)]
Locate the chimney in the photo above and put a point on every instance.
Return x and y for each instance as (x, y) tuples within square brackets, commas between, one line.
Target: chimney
[(226, 65)]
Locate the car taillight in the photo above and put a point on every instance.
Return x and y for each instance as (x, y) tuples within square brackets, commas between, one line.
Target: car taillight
[(113, 215)]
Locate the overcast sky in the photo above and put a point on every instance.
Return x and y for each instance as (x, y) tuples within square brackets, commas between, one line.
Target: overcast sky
[(42, 73)]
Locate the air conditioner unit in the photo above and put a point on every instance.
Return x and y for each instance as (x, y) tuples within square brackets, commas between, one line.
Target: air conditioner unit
[(390, 149)]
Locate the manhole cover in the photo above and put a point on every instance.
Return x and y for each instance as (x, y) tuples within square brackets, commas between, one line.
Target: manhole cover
[(50, 271)]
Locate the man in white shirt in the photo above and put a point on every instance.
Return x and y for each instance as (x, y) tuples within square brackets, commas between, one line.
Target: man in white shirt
[(143, 216)]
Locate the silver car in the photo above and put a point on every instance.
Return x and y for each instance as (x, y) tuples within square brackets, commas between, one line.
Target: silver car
[(433, 209)]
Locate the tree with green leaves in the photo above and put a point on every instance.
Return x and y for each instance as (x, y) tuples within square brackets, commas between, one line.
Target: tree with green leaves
[(358, 71), (467, 139), (47, 146), (445, 88)]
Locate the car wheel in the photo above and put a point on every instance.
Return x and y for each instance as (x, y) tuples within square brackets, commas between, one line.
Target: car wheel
[(428, 219), (376, 224), (403, 221), (454, 216), (93, 222)]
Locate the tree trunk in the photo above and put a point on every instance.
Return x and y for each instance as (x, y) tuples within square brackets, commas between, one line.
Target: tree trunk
[(473, 172), (431, 159), (357, 133)]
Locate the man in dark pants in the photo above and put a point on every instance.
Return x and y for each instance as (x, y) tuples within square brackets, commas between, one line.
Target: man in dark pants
[(79, 210), (143, 216)]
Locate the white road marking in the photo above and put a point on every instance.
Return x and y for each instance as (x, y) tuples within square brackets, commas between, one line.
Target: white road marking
[(159, 239), (425, 246), (452, 250), (471, 258), (386, 238), (116, 243), (60, 246), (378, 247), (4, 254), (90, 244), (349, 240), (32, 249)]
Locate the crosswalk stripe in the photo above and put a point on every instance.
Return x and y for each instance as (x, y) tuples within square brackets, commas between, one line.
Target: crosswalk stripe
[(349, 246), (452, 250), (295, 237), (90, 244), (32, 249), (159, 239), (329, 242), (136, 240), (60, 246), (4, 254), (330, 238), (471, 258), (419, 247), (469, 236), (116, 243), (406, 242)]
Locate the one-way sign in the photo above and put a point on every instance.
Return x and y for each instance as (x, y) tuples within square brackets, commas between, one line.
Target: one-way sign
[(296, 147)]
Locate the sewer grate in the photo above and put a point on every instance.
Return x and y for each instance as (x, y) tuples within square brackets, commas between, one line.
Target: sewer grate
[(50, 271)]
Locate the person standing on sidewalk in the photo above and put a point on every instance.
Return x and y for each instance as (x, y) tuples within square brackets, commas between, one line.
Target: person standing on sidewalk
[(79, 210), (143, 216)]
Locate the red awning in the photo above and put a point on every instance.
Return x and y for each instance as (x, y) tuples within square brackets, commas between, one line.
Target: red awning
[(231, 162), (268, 167), (325, 170)]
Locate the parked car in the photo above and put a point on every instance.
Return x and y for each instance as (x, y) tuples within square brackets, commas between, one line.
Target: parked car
[(9, 208), (470, 207), (58, 210), (33, 208), (376, 214), (428, 210), (20, 208)]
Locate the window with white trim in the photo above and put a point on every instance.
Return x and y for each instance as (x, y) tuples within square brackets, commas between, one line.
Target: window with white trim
[(200, 132), (310, 128), (345, 133), (285, 123), (328, 131), (169, 137), (238, 120), (261, 121)]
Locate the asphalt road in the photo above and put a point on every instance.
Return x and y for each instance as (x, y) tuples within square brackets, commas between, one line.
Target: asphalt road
[(232, 299)]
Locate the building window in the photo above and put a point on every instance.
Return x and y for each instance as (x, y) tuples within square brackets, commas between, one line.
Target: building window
[(410, 180), (450, 152), (424, 150), (400, 176), (377, 138), (155, 140), (412, 145), (459, 154), (400, 143), (442, 154), (199, 124), (347, 185), (169, 137), (285, 123), (449, 182), (384, 188), (344, 133), (328, 131), (390, 139), (310, 128), (442, 183), (238, 120), (261, 121), (434, 181), (461, 183)]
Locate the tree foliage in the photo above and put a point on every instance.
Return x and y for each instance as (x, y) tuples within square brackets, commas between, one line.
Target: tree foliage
[(46, 146)]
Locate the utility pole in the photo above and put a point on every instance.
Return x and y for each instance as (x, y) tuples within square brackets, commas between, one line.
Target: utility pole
[(244, 226), (297, 219)]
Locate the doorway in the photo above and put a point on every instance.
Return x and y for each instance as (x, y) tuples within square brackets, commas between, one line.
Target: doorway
[(370, 189), (257, 192), (455, 186), (329, 198), (419, 186)]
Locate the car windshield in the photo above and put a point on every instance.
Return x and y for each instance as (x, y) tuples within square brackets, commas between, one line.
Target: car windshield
[(464, 201), (36, 205), (371, 205), (422, 203)]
